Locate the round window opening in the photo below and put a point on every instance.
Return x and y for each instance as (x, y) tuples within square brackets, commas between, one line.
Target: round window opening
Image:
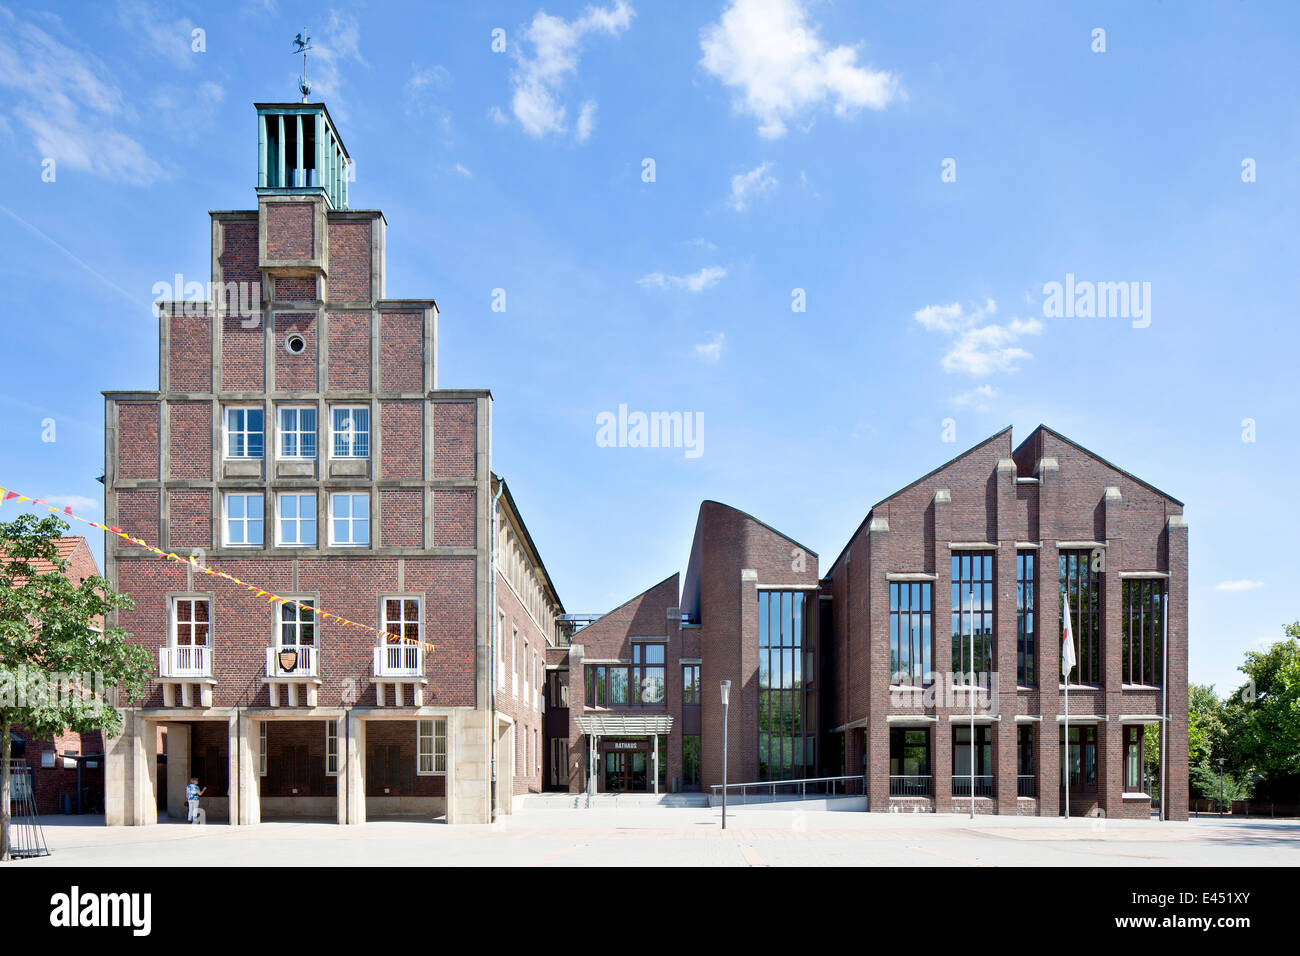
[(295, 343)]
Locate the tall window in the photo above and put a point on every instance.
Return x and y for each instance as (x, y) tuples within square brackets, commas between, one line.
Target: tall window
[(297, 519), (191, 622), (261, 748), (1081, 584), (501, 649), (243, 519), (350, 427), (298, 624), (402, 616), (972, 615), (1082, 757), (526, 664), (1025, 750), (961, 760), (909, 762), (648, 672), (910, 640), (690, 683), (787, 707), (690, 762), (607, 685), (243, 433), (1133, 775), (431, 747), (331, 748), (1142, 631), (349, 518), (298, 432), (1025, 633)]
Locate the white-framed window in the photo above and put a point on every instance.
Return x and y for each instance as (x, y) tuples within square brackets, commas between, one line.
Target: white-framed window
[(331, 748), (514, 661), (191, 622), (431, 747), (402, 616), (297, 431), (261, 749), (296, 519), (298, 623), (350, 431), (526, 666), (349, 518), (501, 649), (242, 515), (244, 432)]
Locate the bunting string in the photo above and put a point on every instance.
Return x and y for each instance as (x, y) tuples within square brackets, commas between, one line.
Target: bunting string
[(192, 561)]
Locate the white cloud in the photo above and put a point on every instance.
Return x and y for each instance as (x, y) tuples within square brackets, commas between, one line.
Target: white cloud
[(1243, 585), (170, 39), (586, 121), (978, 397), (701, 243), (977, 347), (539, 79), (745, 186), (782, 71), (497, 116), (67, 101), (710, 351), (420, 94), (706, 278), (464, 172), (339, 44), (189, 114), (75, 502)]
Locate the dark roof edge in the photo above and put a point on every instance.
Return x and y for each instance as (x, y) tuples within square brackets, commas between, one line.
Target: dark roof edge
[(759, 521), (1109, 464)]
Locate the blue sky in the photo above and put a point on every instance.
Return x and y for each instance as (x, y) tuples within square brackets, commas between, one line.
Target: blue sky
[(797, 145)]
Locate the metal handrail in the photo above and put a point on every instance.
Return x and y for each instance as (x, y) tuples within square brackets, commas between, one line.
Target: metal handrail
[(802, 783)]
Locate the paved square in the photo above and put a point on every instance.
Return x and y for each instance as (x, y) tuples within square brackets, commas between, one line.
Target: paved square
[(662, 836)]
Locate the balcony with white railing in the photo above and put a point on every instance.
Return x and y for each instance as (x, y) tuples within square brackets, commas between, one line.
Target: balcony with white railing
[(396, 661), (185, 662), (302, 657)]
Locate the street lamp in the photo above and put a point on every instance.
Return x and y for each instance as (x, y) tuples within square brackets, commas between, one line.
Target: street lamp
[(726, 694), (1220, 786)]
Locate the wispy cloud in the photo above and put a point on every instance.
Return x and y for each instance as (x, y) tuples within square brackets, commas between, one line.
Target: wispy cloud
[(420, 93), (75, 502), (1242, 585), (706, 278), (711, 352), (338, 45), (548, 56), (978, 397), (781, 70), (67, 101), (745, 186), (171, 38), (463, 171), (977, 346)]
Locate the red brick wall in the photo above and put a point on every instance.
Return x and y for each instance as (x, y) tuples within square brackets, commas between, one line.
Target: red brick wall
[(238, 258), (137, 440), (453, 440), (190, 353), (401, 358), (289, 230), (403, 433), (295, 372), (349, 362), (243, 359), (295, 288), (401, 734), (349, 278), (191, 440), (448, 584), (403, 518), (191, 519), (453, 518), (137, 513)]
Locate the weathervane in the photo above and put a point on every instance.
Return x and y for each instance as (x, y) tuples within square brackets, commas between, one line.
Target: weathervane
[(302, 43)]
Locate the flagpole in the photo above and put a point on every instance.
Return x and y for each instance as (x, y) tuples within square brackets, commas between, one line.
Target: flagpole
[(1067, 657), (970, 693)]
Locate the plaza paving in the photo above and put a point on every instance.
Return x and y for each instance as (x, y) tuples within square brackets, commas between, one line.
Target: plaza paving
[(660, 836)]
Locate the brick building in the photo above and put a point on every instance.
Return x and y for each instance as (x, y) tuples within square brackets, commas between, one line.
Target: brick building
[(856, 674), (298, 441)]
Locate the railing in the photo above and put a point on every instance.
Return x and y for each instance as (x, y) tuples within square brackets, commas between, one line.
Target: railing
[(911, 785), (305, 666), (399, 660), (983, 785), (770, 790), (1026, 785), (185, 661)]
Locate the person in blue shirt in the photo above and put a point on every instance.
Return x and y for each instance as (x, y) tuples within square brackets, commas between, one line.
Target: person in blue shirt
[(192, 794)]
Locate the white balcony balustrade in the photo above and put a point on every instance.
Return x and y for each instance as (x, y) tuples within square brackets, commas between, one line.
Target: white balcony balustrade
[(303, 656), (185, 662), (399, 660)]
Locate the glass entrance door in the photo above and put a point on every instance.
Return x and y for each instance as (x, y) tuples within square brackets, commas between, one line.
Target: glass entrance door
[(626, 771)]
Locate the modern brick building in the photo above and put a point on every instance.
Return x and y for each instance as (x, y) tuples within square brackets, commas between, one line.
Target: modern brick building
[(298, 440)]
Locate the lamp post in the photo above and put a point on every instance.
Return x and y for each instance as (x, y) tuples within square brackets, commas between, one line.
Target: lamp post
[(1220, 786), (726, 694)]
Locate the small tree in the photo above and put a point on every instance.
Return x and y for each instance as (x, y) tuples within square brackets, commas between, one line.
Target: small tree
[(50, 645)]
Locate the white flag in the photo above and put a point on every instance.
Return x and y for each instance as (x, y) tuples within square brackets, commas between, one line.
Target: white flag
[(1067, 642)]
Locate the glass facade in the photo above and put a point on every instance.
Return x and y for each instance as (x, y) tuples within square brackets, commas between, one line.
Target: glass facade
[(972, 615), (1142, 632), (648, 672), (1082, 758), (1026, 673), (787, 705), (691, 762), (1081, 585), (910, 640)]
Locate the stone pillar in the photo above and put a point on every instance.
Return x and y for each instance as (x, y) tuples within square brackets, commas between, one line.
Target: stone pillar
[(352, 775), (1006, 787), (1176, 756), (1110, 734), (469, 800), (178, 769), (867, 571), (248, 754), (144, 784), (235, 782)]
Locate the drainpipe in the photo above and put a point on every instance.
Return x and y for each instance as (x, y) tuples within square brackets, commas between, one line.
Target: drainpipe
[(492, 674)]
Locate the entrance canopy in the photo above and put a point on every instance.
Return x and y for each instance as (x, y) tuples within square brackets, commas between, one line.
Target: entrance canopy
[(624, 725)]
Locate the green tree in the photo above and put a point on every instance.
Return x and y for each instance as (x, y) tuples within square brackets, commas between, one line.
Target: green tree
[(1262, 719), (1206, 726), (49, 632)]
